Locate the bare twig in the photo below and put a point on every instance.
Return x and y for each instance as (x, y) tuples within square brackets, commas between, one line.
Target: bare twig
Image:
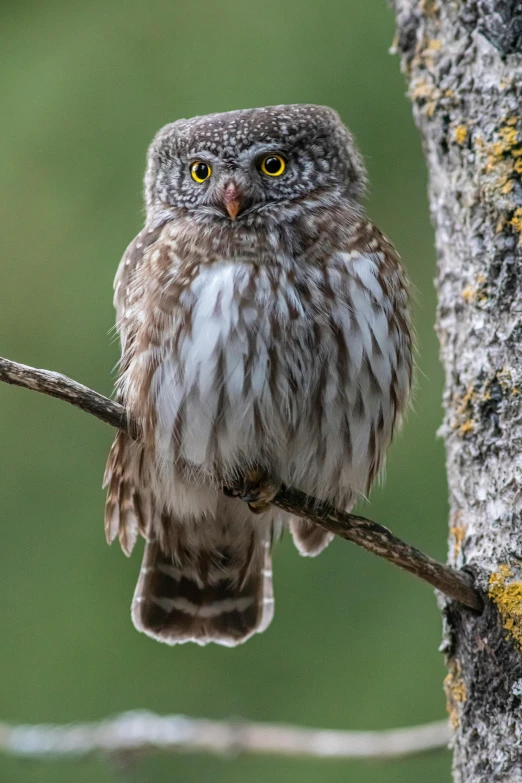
[(367, 534), (57, 385), (141, 731)]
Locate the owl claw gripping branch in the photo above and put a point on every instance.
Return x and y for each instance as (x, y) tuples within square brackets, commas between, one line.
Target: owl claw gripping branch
[(265, 340), (257, 488)]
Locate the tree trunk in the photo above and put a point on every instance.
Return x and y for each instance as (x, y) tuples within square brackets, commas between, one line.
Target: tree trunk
[(464, 65)]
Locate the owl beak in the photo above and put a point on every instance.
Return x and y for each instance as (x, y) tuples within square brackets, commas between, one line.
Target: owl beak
[(232, 200)]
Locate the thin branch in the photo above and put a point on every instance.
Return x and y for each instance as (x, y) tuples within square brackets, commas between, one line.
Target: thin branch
[(142, 731), (57, 385), (361, 531)]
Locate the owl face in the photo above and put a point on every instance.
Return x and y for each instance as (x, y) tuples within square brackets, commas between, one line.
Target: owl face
[(232, 165)]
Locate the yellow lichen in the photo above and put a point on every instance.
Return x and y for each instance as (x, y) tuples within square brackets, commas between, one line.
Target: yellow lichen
[(426, 94), (507, 596), (466, 399), (469, 294), (458, 532), (456, 692), (468, 407), (516, 222), (506, 184), (476, 292), (506, 143), (422, 90), (466, 427), (500, 159), (430, 52), (463, 421), (461, 134), (509, 134), (429, 7)]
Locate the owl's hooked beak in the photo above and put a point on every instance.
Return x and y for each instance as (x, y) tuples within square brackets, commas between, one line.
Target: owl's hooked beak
[(232, 199)]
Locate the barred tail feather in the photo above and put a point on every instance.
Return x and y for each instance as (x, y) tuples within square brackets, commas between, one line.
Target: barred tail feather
[(206, 592), (309, 539)]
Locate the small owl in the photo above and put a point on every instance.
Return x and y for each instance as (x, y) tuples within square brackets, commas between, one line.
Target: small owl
[(265, 341)]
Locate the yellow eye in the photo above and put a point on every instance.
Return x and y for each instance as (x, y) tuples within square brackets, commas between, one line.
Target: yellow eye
[(200, 171), (273, 165)]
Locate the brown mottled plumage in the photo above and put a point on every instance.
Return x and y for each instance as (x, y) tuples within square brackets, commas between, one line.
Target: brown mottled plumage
[(265, 339)]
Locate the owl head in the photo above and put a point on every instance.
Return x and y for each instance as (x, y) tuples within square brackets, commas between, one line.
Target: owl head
[(237, 164)]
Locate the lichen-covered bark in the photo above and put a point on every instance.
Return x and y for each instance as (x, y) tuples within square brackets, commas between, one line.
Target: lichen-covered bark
[(463, 59)]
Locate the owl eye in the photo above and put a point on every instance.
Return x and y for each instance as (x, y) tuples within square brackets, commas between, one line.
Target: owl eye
[(200, 171), (273, 165)]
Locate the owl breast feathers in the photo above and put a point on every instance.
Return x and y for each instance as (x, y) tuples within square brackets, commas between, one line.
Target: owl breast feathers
[(265, 340)]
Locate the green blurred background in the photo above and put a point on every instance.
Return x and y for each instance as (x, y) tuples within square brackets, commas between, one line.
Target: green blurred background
[(83, 88)]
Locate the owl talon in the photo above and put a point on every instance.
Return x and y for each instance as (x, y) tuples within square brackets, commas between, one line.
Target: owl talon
[(257, 488), (260, 506), (231, 492)]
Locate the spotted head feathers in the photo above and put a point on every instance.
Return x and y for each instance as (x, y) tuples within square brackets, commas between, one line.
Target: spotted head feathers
[(307, 147)]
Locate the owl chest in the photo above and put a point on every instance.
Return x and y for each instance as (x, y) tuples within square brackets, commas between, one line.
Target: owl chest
[(254, 354), (237, 354), (245, 337)]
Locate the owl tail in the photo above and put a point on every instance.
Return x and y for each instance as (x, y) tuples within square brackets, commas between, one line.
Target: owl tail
[(309, 539), (206, 580)]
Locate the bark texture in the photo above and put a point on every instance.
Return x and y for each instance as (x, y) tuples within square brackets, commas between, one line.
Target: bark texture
[(464, 65)]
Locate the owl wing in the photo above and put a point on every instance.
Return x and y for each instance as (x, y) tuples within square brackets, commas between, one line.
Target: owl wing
[(125, 295), (365, 294), (127, 510)]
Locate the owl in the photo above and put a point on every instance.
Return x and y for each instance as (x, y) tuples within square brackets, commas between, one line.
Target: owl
[(265, 338)]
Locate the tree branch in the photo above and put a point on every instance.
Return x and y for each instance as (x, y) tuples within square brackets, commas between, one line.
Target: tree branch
[(141, 731), (57, 385), (361, 531)]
